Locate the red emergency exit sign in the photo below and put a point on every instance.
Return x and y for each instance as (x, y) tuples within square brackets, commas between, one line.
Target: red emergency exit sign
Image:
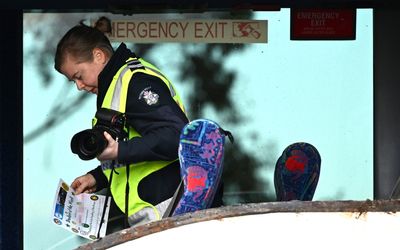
[(323, 24)]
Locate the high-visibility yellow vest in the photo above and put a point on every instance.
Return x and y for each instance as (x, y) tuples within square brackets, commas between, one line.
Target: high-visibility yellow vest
[(115, 99)]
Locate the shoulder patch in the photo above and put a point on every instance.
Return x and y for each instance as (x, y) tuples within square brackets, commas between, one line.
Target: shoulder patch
[(149, 96)]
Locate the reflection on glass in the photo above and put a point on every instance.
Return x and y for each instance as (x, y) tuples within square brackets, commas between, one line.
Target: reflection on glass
[(269, 95)]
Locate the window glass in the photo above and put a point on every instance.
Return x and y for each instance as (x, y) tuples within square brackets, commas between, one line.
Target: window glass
[(269, 95)]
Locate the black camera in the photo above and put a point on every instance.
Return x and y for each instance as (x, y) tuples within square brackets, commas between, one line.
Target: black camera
[(89, 143)]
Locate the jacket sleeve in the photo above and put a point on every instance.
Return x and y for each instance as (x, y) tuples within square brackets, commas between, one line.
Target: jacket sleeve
[(153, 113), (101, 179)]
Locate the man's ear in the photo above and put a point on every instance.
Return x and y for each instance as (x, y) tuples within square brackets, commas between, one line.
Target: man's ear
[(99, 56)]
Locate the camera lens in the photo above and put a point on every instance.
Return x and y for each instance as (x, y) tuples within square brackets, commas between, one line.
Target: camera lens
[(88, 144), (92, 143)]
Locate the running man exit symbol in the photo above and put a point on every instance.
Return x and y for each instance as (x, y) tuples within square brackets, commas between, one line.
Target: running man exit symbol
[(246, 29)]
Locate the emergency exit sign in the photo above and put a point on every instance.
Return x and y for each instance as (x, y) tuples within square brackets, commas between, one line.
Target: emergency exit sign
[(191, 31), (323, 24)]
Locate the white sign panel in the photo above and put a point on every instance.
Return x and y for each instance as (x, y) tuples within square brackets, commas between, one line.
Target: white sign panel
[(190, 31)]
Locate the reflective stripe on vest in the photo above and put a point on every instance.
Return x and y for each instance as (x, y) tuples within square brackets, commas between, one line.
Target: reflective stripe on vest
[(115, 99)]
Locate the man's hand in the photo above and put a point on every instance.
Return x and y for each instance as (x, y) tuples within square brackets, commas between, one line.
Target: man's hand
[(111, 151), (85, 183)]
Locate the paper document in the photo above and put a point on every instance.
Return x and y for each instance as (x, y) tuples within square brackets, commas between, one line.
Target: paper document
[(80, 214)]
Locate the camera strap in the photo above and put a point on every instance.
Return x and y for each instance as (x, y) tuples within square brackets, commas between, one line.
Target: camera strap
[(108, 194), (127, 196)]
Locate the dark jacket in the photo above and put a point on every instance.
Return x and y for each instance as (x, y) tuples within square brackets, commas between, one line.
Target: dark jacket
[(159, 125)]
